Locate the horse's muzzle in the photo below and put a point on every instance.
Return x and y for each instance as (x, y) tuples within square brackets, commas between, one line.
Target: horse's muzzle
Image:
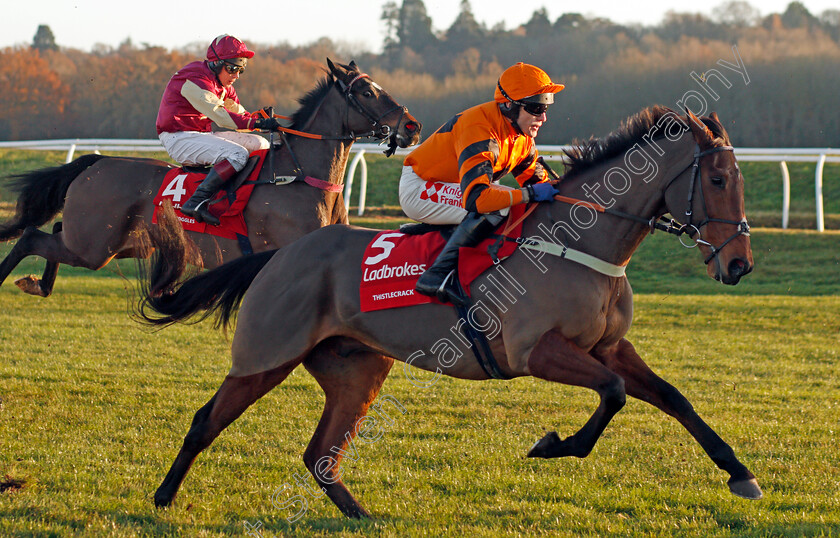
[(408, 133), (738, 267)]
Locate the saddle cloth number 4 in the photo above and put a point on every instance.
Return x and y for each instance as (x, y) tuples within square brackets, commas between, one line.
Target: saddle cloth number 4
[(176, 189)]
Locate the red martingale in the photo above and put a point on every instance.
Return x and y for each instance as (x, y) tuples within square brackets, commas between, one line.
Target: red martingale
[(394, 261), (179, 185)]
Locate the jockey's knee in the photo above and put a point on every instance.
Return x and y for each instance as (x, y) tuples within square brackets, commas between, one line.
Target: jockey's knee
[(260, 143), (237, 158)]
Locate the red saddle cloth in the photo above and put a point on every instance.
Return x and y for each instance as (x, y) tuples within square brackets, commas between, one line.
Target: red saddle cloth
[(179, 185), (394, 261)]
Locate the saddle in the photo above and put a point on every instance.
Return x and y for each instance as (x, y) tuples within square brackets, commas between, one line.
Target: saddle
[(180, 183)]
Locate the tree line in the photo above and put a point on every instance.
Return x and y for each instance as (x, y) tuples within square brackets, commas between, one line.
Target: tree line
[(773, 80)]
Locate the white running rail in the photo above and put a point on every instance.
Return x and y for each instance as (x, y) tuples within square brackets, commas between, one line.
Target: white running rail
[(820, 156)]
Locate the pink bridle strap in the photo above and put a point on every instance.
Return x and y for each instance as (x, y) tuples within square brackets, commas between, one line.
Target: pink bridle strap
[(321, 184), (357, 77)]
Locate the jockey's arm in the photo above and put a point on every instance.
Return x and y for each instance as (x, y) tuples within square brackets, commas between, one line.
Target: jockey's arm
[(481, 193), (209, 104)]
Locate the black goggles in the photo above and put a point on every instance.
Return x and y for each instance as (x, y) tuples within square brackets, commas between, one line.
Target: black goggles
[(233, 68), (535, 109)]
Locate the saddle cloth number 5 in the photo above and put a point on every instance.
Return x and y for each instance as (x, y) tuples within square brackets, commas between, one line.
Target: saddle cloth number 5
[(383, 243)]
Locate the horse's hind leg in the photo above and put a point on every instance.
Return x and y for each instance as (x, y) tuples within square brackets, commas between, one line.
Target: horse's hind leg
[(640, 382), (49, 246), (555, 358), (351, 382), (43, 287), (231, 400)]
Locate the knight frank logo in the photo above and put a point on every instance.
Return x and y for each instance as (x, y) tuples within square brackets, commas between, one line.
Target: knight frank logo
[(442, 193)]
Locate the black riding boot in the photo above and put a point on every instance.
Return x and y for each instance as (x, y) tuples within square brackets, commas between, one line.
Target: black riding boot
[(197, 205), (437, 278)]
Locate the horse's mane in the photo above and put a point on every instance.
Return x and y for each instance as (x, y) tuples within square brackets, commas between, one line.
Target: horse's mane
[(310, 102), (588, 153)]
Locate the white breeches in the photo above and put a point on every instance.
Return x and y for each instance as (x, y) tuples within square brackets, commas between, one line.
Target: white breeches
[(207, 149), (431, 202)]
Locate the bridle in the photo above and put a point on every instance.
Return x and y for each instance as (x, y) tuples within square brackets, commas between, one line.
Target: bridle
[(689, 228), (378, 130), (659, 222)]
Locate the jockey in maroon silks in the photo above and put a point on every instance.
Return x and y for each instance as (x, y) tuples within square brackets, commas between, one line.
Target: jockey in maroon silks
[(198, 95)]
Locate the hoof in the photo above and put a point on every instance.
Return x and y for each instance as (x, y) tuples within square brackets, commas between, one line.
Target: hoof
[(30, 284), (163, 502), (747, 489), (357, 513), (546, 447)]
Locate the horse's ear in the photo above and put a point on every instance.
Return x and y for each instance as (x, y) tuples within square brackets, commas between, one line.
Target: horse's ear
[(714, 116), (331, 65), (701, 133), (353, 65)]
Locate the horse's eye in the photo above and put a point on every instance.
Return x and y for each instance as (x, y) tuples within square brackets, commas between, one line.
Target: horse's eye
[(718, 181), (368, 94)]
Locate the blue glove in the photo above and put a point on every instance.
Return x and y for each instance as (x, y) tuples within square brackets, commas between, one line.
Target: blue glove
[(542, 192)]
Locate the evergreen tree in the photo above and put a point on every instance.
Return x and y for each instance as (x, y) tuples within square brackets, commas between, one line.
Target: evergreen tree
[(415, 26), (465, 31), (391, 17), (797, 16), (539, 25), (44, 39)]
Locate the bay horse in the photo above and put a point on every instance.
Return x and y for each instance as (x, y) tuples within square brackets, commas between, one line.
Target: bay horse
[(554, 318), (107, 200)]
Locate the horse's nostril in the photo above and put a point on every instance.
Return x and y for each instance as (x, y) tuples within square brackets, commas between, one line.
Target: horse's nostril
[(739, 267)]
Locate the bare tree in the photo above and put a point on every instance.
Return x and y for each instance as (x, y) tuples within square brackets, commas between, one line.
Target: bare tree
[(736, 13)]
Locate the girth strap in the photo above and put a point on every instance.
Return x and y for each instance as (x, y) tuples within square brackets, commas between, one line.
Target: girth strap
[(479, 344)]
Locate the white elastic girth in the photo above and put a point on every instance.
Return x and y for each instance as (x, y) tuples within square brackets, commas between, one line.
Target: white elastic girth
[(576, 256)]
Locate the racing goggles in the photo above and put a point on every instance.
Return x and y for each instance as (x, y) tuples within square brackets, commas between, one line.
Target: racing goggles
[(233, 68), (535, 109)]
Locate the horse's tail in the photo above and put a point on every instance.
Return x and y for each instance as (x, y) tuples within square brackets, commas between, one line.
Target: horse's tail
[(42, 194), (170, 295), (218, 291)]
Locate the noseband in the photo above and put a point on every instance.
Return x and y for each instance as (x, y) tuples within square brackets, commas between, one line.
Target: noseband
[(689, 228)]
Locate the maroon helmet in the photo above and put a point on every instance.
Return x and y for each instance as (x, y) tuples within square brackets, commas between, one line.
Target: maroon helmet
[(227, 47)]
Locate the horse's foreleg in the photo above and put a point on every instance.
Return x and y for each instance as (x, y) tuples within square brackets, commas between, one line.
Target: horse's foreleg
[(350, 384), (231, 400), (557, 359), (642, 383)]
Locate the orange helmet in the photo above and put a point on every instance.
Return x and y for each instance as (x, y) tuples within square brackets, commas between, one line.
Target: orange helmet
[(524, 83)]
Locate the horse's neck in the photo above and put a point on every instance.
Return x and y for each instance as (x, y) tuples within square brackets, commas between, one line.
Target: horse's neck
[(324, 159), (635, 186)]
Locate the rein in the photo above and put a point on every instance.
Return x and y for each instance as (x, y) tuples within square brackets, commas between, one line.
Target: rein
[(670, 225), (383, 132), (654, 223)]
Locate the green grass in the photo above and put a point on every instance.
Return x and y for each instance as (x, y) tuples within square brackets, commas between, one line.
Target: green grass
[(93, 408)]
